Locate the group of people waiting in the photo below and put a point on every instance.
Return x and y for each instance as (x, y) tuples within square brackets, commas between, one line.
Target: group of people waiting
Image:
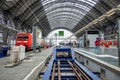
[(97, 44)]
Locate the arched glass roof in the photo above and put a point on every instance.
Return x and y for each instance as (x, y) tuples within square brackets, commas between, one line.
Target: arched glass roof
[(66, 13)]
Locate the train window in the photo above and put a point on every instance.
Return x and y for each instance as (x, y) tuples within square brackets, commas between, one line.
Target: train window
[(23, 37)]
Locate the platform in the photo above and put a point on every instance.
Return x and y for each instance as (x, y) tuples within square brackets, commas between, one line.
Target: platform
[(27, 67), (109, 55), (102, 65)]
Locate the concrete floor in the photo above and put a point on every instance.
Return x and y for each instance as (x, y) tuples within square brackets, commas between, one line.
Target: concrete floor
[(109, 55), (20, 71)]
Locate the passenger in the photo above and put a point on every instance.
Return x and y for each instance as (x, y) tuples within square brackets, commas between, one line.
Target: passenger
[(87, 43), (97, 45)]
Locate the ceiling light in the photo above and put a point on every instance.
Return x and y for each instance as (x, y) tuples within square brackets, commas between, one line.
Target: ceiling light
[(101, 18), (95, 21), (111, 12), (90, 24)]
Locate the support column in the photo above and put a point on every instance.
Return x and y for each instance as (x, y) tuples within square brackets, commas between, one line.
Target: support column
[(118, 22), (5, 34), (34, 39)]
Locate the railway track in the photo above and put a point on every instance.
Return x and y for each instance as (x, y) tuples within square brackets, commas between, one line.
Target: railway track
[(67, 70), (63, 66)]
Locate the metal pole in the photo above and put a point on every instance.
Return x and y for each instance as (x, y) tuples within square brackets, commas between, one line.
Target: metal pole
[(118, 22), (34, 39), (56, 39)]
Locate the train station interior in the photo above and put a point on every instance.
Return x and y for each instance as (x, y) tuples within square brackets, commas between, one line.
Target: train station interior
[(59, 39)]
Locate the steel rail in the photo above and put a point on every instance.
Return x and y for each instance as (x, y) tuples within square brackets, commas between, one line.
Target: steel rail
[(74, 70), (59, 73), (53, 72), (84, 76), (79, 73)]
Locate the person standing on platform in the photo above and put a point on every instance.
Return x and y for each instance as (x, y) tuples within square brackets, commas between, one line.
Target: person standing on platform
[(87, 43), (97, 45)]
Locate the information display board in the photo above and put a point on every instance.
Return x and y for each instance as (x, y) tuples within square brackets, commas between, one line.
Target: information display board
[(61, 33)]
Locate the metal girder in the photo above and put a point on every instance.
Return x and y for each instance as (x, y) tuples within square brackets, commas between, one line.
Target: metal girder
[(18, 6), (98, 12), (80, 8), (44, 28), (95, 13), (85, 20), (79, 14), (2, 2), (54, 5), (38, 13), (40, 10), (63, 1), (32, 18), (102, 7), (105, 5), (76, 18), (80, 25), (65, 25), (60, 28), (34, 7), (42, 20), (67, 9), (65, 20), (112, 3), (58, 19), (63, 17)]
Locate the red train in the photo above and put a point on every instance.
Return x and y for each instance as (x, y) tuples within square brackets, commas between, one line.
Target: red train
[(108, 43), (24, 39)]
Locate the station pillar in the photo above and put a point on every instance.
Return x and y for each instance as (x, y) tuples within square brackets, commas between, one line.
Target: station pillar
[(34, 38), (118, 23)]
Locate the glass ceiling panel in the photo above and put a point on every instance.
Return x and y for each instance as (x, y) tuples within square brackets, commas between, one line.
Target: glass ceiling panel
[(66, 13), (67, 4), (66, 23), (77, 12), (63, 22), (90, 2), (63, 17), (66, 10)]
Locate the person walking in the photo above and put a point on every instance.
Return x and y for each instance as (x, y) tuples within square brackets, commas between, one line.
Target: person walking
[(97, 45)]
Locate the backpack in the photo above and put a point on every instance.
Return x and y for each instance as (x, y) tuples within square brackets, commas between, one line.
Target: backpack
[(97, 43)]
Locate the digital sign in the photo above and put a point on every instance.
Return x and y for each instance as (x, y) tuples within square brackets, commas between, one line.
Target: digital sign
[(61, 33)]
